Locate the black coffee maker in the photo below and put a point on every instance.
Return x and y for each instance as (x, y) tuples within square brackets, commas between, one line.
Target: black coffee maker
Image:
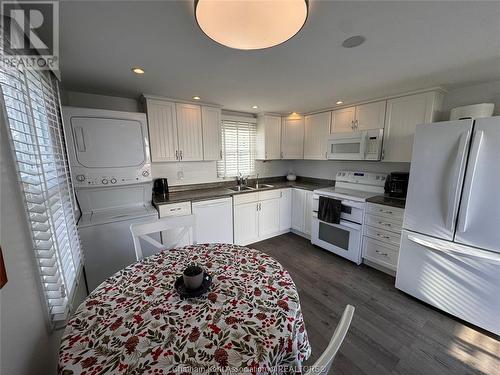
[(396, 184), (160, 187)]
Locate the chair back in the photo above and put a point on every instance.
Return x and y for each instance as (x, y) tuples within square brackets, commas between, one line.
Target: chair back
[(324, 362), (182, 225)]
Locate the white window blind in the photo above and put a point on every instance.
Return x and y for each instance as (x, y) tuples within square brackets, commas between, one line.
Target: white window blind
[(238, 149), (32, 112)]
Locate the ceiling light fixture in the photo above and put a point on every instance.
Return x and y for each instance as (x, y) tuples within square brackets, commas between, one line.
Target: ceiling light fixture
[(196, 98), (255, 106), (353, 41), (339, 102), (251, 24), (138, 70)]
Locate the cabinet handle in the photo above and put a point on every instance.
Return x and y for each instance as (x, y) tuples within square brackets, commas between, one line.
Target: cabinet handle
[(281, 153), (356, 124), (180, 154), (352, 124), (221, 154), (385, 224), (382, 236), (177, 154), (383, 155), (326, 155), (381, 253), (385, 211)]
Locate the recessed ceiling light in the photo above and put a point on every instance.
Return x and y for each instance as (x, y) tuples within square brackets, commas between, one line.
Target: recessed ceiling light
[(255, 106), (196, 98), (353, 41), (340, 102), (250, 25), (138, 70)]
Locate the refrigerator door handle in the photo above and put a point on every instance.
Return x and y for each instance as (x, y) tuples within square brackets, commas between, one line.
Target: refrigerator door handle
[(452, 198), (470, 253), (474, 157)]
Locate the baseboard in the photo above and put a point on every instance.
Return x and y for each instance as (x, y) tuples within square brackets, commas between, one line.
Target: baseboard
[(301, 234)]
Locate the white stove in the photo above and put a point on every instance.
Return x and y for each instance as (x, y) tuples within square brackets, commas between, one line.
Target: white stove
[(352, 188)]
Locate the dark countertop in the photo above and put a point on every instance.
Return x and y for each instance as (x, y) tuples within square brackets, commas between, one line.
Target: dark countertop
[(388, 201), (211, 192)]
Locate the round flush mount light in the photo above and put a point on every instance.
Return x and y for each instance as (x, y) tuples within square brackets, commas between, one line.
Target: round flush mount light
[(255, 106), (196, 98), (138, 70), (353, 41), (339, 102), (251, 24)]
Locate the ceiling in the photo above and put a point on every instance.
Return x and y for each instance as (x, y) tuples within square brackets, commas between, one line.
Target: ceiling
[(409, 45)]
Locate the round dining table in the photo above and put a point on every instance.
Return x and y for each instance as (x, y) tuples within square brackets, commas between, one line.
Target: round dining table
[(135, 322)]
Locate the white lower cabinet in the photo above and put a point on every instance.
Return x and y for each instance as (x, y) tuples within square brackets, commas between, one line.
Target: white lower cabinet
[(246, 223), (382, 235), (302, 211), (261, 215), (285, 209)]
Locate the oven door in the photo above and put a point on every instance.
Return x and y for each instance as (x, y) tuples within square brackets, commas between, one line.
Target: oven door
[(343, 239), (351, 146)]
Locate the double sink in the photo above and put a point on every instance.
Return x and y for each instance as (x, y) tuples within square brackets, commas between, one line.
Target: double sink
[(240, 188)]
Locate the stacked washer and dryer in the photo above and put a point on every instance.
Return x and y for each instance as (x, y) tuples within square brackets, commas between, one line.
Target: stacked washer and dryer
[(111, 173)]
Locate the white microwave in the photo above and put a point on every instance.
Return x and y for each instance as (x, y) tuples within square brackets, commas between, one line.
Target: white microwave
[(363, 145)]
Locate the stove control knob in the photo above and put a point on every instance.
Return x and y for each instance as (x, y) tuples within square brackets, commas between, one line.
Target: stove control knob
[(80, 178), (145, 173), (113, 180), (104, 181)]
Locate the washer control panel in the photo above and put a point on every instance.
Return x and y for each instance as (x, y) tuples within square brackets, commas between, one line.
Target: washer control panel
[(103, 178)]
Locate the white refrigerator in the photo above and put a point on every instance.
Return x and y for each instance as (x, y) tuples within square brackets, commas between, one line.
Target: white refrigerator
[(450, 245)]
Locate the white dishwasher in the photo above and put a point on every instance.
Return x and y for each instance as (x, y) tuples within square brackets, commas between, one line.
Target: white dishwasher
[(214, 220)]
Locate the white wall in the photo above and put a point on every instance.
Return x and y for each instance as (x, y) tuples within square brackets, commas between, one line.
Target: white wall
[(114, 103), (488, 92), (26, 345), (327, 169), (206, 171)]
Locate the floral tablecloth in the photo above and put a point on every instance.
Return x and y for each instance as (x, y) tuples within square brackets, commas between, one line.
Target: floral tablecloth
[(136, 323)]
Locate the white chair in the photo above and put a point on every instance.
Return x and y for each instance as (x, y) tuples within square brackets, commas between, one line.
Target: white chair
[(183, 224), (324, 362)]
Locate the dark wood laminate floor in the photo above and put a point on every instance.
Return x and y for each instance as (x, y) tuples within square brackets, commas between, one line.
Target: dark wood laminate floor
[(391, 333)]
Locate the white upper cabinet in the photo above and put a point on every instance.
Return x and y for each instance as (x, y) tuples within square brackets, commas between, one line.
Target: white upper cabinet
[(359, 118), (370, 116), (162, 124), (268, 137), (343, 120), (292, 137), (189, 132), (317, 129), (402, 116), (211, 124)]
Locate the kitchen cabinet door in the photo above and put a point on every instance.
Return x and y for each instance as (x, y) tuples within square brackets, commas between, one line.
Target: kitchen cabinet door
[(317, 130), (246, 223), (402, 116), (370, 116), (292, 137), (189, 132), (162, 123), (211, 124), (307, 212), (343, 120), (298, 207), (285, 209), (269, 217), (268, 137)]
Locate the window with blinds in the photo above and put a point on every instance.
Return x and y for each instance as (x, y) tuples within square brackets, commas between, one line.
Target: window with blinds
[(238, 149), (31, 109)]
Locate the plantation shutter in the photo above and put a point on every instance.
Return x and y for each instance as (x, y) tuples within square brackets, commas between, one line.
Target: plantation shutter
[(238, 149), (31, 109)]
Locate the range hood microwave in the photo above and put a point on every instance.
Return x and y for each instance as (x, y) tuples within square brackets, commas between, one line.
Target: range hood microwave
[(363, 145)]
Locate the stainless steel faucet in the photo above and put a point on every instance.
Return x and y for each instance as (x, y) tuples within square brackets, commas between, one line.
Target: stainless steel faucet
[(257, 181)]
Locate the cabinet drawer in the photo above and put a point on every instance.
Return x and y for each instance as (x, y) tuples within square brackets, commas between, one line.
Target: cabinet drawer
[(269, 194), (175, 209), (245, 198), (382, 235), (384, 223), (385, 211), (380, 253)]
